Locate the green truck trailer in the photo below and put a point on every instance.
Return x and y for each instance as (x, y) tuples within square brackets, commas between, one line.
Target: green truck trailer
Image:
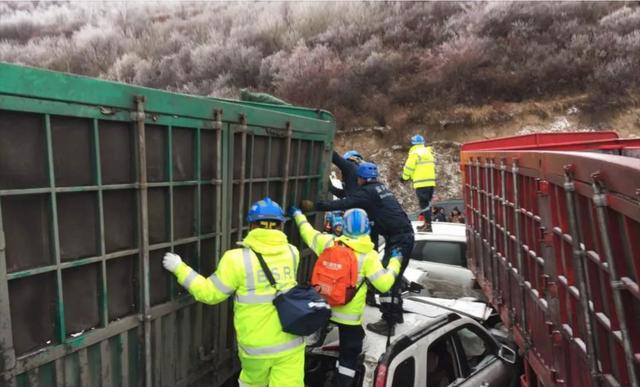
[(97, 181)]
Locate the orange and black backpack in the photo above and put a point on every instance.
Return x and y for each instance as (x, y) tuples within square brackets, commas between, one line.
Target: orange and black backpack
[(335, 275)]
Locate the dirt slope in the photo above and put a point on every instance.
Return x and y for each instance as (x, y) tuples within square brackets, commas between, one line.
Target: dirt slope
[(388, 146)]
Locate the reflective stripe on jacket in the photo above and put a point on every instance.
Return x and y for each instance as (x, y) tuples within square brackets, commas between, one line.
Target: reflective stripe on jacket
[(369, 266), (420, 167), (238, 273)]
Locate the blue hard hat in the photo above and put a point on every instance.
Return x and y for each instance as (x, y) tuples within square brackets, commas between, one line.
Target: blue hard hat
[(352, 153), (265, 209), (417, 139), (367, 171), (356, 223), (337, 220)]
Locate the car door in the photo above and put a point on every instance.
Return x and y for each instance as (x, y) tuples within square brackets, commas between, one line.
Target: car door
[(441, 363), (480, 364)]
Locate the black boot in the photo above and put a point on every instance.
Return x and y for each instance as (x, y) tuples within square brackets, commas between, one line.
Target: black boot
[(382, 328)]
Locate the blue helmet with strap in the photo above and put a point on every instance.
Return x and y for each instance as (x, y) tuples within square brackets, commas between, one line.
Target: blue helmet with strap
[(337, 220), (417, 139), (352, 154), (337, 224), (356, 223), (367, 171), (265, 209)]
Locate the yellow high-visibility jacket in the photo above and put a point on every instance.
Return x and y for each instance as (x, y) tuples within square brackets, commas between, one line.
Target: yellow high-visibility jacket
[(420, 167), (369, 266), (255, 319)]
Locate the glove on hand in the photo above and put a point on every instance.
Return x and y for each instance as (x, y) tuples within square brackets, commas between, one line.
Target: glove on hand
[(396, 253), (293, 211), (308, 205), (171, 261)]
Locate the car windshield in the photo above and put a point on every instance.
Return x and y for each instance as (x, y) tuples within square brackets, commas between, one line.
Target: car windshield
[(450, 253)]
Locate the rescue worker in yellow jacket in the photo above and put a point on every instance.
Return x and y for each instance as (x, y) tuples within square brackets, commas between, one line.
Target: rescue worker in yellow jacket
[(268, 355), (348, 317), (420, 168)]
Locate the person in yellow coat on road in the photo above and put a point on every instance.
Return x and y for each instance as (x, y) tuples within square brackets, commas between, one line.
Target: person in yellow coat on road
[(348, 317), (268, 355)]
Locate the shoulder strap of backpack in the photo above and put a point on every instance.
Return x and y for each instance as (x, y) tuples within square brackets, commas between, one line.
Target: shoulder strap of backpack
[(360, 262), (266, 270)]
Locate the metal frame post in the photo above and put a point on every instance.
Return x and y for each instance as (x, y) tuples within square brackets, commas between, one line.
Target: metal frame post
[(579, 271), (243, 168), (516, 220), (478, 243), (7, 352), (600, 201), (287, 161), (143, 213), (495, 264), (505, 232)]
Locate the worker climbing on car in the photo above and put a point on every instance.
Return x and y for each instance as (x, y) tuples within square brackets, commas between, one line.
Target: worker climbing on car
[(390, 221), (340, 272), (268, 355), (420, 168)]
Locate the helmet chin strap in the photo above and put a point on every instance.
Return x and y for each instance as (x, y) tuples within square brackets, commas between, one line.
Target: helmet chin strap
[(268, 224)]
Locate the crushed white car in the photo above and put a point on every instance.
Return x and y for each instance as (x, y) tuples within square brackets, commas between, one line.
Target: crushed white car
[(439, 262), (435, 346)]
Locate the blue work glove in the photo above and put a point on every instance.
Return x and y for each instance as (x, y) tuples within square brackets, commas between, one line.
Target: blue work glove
[(293, 211), (396, 253)]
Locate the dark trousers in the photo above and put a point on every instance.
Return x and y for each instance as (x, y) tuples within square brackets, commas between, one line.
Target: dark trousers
[(351, 337), (391, 302), (425, 195)]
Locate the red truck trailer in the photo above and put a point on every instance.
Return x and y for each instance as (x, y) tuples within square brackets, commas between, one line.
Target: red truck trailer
[(554, 240)]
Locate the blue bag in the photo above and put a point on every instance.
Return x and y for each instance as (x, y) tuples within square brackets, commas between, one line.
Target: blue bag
[(302, 310)]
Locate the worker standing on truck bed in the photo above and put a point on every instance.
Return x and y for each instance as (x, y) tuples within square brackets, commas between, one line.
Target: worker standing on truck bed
[(268, 355), (390, 221), (420, 168), (348, 317)]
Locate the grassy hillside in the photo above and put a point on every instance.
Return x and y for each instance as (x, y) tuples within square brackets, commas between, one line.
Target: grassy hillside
[(371, 64)]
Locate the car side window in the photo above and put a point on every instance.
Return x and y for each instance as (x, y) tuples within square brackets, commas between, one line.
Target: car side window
[(442, 369), (476, 349), (450, 253), (405, 373)]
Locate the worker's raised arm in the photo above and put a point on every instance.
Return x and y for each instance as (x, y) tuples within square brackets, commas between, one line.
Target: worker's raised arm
[(358, 199), (340, 162), (409, 166), (380, 277), (213, 290), (316, 240)]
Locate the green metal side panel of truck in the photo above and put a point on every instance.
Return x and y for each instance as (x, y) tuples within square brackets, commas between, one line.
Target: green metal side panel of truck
[(97, 181)]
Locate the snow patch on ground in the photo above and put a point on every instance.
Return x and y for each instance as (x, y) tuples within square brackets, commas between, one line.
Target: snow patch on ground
[(559, 124)]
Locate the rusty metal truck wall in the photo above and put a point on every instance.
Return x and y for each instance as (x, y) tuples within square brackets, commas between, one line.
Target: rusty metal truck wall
[(97, 181), (555, 243)]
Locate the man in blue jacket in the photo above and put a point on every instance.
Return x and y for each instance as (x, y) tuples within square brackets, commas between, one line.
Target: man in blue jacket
[(389, 220), (348, 165)]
